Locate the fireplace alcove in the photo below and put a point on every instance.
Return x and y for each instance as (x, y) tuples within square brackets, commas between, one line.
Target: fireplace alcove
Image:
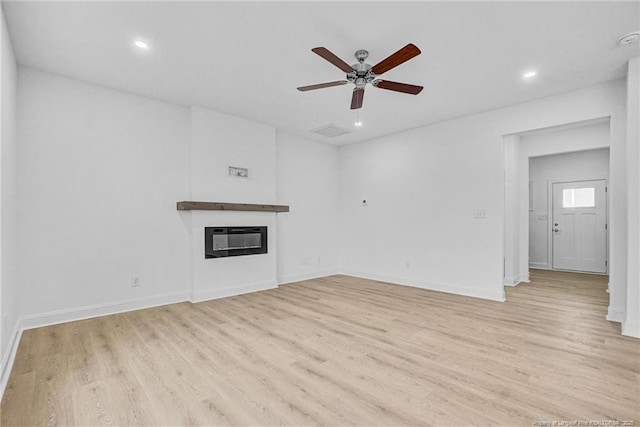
[(221, 277), (223, 241)]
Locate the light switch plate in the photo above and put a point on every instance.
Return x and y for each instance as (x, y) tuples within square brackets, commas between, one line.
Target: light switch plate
[(479, 213)]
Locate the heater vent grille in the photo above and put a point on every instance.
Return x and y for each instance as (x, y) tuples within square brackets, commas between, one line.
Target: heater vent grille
[(331, 131)]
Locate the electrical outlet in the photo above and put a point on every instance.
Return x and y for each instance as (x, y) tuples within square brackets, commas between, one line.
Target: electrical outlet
[(407, 265), (319, 260), (135, 281)]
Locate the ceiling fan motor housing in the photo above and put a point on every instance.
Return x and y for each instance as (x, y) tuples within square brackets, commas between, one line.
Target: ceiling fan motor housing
[(361, 74)]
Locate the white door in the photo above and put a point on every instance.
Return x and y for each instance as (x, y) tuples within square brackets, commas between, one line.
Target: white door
[(579, 226)]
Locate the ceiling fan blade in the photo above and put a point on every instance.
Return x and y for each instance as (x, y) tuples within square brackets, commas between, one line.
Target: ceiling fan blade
[(326, 54), (403, 55), (398, 87), (357, 98), (322, 85)]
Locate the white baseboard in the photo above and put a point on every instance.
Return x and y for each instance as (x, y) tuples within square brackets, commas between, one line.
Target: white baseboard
[(496, 295), (539, 265), (516, 280), (631, 328), (615, 314), (230, 292), (97, 310), (292, 278), (9, 357), (511, 281)]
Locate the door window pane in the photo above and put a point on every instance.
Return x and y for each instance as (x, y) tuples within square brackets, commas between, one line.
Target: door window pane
[(579, 198)]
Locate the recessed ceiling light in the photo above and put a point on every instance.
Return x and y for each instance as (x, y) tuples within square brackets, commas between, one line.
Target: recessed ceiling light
[(141, 45), (529, 74), (629, 38)]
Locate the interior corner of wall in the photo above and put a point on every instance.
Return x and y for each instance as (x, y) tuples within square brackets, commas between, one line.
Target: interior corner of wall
[(8, 358)]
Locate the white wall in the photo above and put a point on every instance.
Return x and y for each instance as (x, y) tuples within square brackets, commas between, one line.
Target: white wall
[(100, 172), (631, 323), (217, 142), (307, 181), (8, 202), (417, 228), (577, 166), (220, 140), (512, 272), (422, 186)]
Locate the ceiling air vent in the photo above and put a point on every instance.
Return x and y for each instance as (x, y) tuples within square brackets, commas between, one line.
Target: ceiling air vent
[(331, 131)]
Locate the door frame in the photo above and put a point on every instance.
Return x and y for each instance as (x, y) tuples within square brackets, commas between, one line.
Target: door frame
[(550, 220)]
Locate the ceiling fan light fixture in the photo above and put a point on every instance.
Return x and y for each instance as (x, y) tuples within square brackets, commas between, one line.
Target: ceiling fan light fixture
[(142, 45)]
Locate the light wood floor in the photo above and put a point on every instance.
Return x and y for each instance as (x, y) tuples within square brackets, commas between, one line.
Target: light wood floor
[(337, 351)]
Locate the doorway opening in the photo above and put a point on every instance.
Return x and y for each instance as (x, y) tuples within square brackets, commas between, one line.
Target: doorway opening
[(528, 216), (568, 211), (584, 159)]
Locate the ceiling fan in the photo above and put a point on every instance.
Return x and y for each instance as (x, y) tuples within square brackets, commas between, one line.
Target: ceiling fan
[(362, 73)]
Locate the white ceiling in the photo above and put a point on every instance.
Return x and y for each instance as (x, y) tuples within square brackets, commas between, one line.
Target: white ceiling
[(247, 58)]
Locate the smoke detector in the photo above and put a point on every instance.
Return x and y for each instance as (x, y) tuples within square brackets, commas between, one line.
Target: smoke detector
[(629, 38)]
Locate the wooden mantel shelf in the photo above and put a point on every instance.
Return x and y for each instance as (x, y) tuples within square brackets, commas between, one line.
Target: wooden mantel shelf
[(220, 206)]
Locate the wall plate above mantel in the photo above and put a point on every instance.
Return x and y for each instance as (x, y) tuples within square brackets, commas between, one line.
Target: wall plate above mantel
[(238, 172)]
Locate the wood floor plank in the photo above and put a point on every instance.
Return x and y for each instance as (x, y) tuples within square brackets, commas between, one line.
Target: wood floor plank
[(341, 351), (21, 390)]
